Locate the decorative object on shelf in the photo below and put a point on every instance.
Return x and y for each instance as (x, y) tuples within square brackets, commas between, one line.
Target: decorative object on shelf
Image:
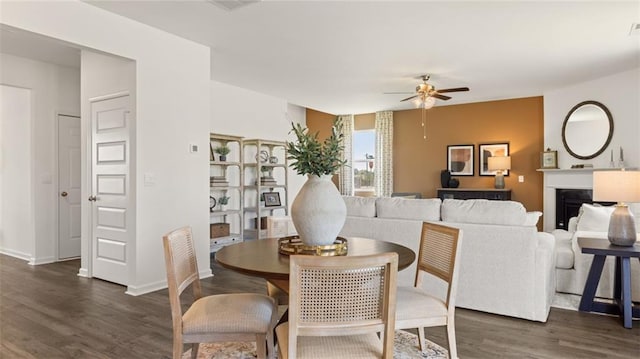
[(549, 159), (218, 181), (212, 203), (222, 150), (454, 183), (620, 186), (499, 164), (262, 156), (485, 151), (273, 160), (271, 199), (318, 211), (223, 201), (293, 245), (445, 176), (460, 160), (612, 164), (587, 130), (217, 230), (621, 160)]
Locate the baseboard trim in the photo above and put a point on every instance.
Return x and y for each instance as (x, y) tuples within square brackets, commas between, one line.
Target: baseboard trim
[(159, 285), (39, 261), (83, 272), (16, 254)]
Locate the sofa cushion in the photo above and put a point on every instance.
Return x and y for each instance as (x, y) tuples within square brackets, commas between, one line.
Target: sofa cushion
[(531, 218), (360, 206), (427, 209), (483, 211), (564, 250), (594, 218)]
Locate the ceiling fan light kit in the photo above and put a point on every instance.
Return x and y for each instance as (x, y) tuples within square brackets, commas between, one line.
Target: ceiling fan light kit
[(425, 98)]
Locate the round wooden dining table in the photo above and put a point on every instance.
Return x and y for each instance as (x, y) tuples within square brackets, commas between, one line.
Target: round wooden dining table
[(260, 258)]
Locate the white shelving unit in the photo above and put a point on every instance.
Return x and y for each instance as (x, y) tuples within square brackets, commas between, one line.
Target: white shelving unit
[(265, 177), (225, 180)]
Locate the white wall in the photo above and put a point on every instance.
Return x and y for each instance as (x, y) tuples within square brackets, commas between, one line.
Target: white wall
[(619, 93), (241, 112), (16, 210), (56, 89), (173, 84)]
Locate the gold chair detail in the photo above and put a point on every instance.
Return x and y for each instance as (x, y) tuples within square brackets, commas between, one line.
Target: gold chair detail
[(216, 318), (338, 306), (417, 308)]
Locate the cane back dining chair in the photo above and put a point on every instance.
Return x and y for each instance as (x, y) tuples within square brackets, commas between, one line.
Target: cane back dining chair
[(417, 308), (338, 306), (216, 318)]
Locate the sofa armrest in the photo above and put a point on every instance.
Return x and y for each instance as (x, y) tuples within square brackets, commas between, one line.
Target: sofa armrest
[(545, 279)]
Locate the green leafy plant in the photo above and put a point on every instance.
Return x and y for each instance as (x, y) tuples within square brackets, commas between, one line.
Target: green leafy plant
[(222, 150), (224, 200), (309, 156)]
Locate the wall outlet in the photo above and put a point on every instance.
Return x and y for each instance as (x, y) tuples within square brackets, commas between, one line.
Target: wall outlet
[(521, 179), (193, 148)]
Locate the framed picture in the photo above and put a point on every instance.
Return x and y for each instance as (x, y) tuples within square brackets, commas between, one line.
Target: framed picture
[(271, 199), (549, 159), (460, 160), (490, 150)]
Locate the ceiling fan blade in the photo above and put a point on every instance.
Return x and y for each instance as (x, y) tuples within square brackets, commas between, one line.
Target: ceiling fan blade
[(409, 98), (442, 97), (457, 89)]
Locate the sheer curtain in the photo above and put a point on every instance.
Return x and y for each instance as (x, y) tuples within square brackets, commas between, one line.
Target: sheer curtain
[(384, 154), (346, 171)]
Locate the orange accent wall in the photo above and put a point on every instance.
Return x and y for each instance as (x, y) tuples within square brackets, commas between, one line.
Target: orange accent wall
[(418, 162)]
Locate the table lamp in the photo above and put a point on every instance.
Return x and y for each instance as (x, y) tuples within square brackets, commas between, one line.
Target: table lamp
[(499, 164), (620, 186)]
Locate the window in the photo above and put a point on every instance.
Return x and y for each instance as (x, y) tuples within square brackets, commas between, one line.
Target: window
[(364, 148)]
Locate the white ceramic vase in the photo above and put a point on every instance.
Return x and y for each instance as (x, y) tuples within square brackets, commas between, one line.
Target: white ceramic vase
[(318, 212)]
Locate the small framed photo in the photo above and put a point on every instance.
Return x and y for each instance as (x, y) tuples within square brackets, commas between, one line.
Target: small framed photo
[(271, 199), (549, 159), (460, 160), (491, 150)]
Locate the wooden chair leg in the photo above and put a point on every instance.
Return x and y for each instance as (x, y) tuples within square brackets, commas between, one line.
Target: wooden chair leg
[(421, 339), (261, 348), (177, 347), (194, 350), (451, 339)]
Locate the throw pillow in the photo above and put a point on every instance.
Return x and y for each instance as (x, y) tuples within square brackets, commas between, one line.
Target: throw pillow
[(532, 218), (482, 211), (594, 218), (360, 206)]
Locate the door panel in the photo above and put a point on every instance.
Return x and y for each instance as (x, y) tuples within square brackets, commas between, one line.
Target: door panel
[(110, 182), (68, 187)]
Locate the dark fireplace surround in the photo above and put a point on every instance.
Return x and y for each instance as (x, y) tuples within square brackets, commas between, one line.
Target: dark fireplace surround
[(568, 202)]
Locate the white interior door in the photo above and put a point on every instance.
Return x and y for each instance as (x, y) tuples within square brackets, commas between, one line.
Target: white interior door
[(68, 187), (112, 210)]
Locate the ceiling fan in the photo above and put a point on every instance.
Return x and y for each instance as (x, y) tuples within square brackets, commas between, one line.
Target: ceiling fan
[(426, 90), (426, 95)]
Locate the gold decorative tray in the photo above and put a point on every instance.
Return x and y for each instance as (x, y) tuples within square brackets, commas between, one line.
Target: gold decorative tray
[(293, 245)]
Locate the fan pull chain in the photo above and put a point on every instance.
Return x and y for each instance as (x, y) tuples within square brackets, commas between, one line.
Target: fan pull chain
[(424, 124)]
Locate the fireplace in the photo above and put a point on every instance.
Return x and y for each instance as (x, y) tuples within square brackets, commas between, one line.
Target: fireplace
[(568, 202)]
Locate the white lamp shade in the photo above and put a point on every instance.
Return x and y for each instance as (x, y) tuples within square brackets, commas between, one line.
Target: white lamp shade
[(428, 102), (499, 163), (618, 186)]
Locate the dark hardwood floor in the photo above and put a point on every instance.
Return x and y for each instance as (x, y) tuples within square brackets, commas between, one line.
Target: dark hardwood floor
[(48, 311)]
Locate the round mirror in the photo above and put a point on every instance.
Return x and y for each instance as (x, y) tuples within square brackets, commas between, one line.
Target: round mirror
[(587, 130)]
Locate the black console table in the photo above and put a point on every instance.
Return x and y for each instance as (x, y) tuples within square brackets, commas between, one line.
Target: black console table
[(475, 193)]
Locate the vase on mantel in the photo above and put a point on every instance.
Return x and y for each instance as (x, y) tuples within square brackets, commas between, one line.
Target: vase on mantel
[(318, 212)]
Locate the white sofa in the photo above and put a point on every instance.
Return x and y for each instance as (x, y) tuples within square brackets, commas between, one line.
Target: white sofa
[(506, 265), (572, 267)]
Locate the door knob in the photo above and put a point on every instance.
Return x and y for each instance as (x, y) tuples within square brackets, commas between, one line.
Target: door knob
[(64, 194), (92, 198)]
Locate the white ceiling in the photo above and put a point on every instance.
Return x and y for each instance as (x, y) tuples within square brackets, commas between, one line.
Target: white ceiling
[(340, 57)]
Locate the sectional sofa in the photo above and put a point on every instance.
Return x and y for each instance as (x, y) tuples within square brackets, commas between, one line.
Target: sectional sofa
[(507, 267)]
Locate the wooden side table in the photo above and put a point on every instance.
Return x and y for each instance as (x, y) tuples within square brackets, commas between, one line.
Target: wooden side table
[(601, 248)]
